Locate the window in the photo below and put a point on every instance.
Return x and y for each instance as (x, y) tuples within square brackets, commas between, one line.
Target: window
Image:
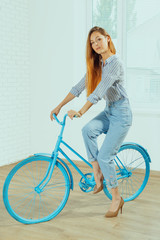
[(133, 26)]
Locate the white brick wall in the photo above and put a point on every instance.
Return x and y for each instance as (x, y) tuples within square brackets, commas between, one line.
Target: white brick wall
[(14, 80)]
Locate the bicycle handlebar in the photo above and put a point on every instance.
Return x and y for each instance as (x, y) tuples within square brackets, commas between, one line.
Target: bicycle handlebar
[(61, 123), (64, 119)]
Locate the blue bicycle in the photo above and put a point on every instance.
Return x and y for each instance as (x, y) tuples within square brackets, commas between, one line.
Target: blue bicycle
[(37, 188)]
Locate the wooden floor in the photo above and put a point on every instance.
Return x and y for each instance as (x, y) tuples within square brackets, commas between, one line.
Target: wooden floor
[(83, 217)]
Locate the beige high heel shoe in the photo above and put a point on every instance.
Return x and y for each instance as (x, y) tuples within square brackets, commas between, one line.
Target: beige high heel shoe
[(110, 214)]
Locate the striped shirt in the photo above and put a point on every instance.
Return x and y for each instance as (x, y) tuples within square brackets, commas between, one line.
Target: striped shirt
[(111, 85)]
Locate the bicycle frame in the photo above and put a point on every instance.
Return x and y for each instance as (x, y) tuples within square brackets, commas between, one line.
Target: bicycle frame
[(54, 156)]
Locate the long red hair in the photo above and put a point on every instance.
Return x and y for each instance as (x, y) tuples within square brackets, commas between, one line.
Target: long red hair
[(93, 61)]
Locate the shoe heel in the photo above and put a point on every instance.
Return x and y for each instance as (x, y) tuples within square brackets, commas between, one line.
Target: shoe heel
[(121, 210), (122, 204)]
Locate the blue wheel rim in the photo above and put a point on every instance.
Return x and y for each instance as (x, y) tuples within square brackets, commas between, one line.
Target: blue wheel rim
[(44, 211)]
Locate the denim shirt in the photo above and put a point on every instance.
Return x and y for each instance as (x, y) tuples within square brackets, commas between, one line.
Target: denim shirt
[(111, 85)]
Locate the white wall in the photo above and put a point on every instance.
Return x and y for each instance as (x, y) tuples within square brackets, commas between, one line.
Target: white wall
[(14, 81), (58, 38), (56, 52), (52, 66)]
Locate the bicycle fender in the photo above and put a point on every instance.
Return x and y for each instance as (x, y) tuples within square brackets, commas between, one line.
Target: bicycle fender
[(68, 171), (145, 150)]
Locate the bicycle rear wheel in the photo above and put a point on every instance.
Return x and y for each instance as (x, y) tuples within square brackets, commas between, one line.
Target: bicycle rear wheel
[(24, 202), (133, 168)]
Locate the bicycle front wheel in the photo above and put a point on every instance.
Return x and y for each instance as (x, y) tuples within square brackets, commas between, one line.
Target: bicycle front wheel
[(132, 167), (20, 195)]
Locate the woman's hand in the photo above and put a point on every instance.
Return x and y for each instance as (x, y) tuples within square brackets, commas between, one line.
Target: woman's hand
[(72, 113), (55, 111)]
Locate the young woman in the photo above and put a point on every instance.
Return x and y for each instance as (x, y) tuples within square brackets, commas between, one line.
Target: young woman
[(104, 79)]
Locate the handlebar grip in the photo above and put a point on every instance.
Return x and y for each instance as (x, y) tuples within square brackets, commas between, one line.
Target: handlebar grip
[(54, 115), (64, 119)]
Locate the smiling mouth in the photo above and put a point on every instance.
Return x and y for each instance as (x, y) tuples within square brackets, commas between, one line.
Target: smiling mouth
[(97, 48)]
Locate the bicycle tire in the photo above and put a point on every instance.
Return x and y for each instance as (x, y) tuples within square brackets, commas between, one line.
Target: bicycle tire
[(131, 186), (21, 199)]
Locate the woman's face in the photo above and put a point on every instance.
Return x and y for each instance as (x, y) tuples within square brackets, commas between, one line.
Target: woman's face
[(99, 42)]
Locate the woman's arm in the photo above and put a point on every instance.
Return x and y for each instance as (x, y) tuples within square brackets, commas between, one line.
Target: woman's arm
[(67, 99), (56, 110), (84, 109), (75, 92), (79, 87)]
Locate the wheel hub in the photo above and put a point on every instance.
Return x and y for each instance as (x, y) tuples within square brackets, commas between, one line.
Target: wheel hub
[(38, 190), (126, 173)]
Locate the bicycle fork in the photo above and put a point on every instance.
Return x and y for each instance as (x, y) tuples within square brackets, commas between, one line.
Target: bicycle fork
[(47, 178)]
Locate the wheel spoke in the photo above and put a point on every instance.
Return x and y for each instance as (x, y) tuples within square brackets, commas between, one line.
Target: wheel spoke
[(137, 166), (22, 200)]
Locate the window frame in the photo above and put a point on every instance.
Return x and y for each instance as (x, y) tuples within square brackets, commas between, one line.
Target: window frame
[(122, 44)]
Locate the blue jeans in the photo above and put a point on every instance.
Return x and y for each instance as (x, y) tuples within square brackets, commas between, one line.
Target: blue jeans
[(115, 122)]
